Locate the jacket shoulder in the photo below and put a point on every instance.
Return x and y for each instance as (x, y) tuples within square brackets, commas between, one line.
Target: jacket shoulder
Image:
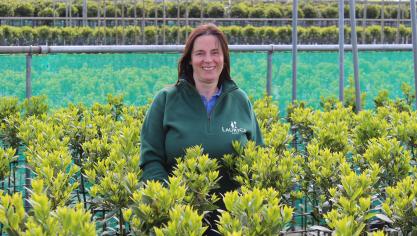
[(166, 92), (240, 94)]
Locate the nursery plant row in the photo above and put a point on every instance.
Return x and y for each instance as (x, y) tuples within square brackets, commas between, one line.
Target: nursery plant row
[(347, 173), (195, 9), (249, 34)]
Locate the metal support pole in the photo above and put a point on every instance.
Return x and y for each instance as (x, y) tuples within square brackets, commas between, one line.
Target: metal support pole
[(156, 25), (382, 22), (178, 21), (66, 13), (28, 75), (84, 13), (98, 13), (397, 34), (269, 72), (355, 55), (364, 22), (164, 22), (341, 50), (187, 12), (413, 25), (201, 11), (142, 24), (294, 49), (70, 13)]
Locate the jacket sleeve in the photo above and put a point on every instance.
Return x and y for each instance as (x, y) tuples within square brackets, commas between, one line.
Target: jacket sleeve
[(256, 131), (152, 151)]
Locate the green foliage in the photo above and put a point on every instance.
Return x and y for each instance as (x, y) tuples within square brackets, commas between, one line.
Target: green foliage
[(310, 11), (367, 126), (254, 212), (350, 96), (9, 122), (400, 205), (276, 135), (48, 156), (35, 106), (96, 149), (10, 35), (259, 167), (183, 221), (240, 10), (409, 94), (267, 112), (12, 213), (330, 12), (404, 129), (6, 9), (116, 176), (388, 154), (381, 99), (6, 157), (24, 9), (215, 10), (322, 171), (47, 12), (331, 129), (352, 202), (301, 119), (201, 176), (43, 220), (152, 204)]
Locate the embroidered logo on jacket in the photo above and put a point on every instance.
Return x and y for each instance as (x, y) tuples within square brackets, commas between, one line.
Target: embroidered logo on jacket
[(234, 129)]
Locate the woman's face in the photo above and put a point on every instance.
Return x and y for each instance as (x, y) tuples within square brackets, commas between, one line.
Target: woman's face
[(207, 59)]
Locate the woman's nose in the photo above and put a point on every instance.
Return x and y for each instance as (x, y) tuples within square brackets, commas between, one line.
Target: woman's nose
[(208, 57)]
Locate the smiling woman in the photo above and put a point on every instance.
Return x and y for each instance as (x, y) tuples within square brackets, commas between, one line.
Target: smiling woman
[(205, 107)]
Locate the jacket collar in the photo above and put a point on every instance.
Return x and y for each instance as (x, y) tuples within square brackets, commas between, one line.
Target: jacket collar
[(227, 85)]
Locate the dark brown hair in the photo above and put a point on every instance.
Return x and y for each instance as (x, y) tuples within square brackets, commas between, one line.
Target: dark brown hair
[(185, 70)]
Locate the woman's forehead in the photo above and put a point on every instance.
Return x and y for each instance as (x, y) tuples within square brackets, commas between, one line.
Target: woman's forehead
[(206, 42)]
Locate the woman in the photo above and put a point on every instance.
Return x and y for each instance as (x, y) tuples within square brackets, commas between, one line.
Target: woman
[(205, 107)]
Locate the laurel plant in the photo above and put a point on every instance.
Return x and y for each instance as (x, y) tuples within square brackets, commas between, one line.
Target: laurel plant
[(10, 120), (301, 119), (350, 96), (49, 158), (400, 205), (183, 220), (367, 126), (331, 129), (12, 213), (35, 106), (352, 208), (254, 212), (404, 129), (151, 205), (261, 167), (6, 157), (116, 177), (201, 176), (394, 161), (322, 170), (267, 113), (42, 218), (278, 137)]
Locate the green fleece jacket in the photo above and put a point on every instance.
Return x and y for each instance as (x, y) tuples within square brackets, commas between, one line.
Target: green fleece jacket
[(177, 119)]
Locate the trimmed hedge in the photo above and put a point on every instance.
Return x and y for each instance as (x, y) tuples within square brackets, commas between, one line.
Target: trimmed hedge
[(216, 9), (236, 35)]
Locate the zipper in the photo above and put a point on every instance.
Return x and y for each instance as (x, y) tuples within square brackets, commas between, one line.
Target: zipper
[(215, 105)]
